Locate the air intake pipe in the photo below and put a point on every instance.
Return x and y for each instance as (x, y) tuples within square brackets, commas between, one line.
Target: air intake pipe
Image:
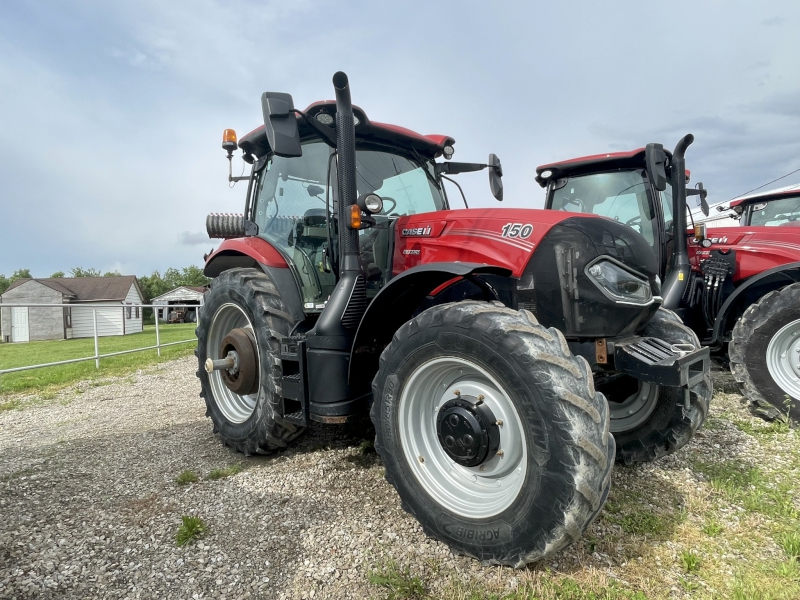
[(678, 277)]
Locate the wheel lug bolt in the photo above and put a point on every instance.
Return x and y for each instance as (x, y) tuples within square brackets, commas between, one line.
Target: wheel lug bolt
[(500, 453), (480, 396), (457, 392), (421, 459), (499, 422), (482, 468)]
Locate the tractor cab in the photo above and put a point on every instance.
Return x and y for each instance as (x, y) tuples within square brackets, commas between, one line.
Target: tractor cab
[(293, 200), (623, 187), (775, 208)]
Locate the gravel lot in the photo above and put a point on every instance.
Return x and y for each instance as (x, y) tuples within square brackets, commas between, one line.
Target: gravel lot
[(90, 506)]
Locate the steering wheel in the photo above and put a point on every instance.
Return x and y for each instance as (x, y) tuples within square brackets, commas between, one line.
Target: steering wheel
[(384, 210), (635, 221), (575, 201)]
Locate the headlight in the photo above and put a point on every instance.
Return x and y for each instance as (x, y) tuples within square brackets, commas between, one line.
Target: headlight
[(619, 283)]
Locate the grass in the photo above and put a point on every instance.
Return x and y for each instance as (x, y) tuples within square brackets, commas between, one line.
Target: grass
[(226, 472), (186, 477), (191, 529), (398, 583), (690, 561), (48, 378), (790, 542)]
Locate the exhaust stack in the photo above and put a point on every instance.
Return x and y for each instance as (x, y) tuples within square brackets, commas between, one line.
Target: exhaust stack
[(678, 278), (348, 194)]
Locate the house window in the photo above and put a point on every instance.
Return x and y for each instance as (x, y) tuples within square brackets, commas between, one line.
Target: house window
[(68, 317), (137, 312), (128, 312)]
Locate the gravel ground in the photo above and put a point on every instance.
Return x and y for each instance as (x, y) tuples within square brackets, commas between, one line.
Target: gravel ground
[(90, 506)]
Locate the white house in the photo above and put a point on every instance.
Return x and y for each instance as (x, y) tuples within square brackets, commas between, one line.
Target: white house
[(112, 297)]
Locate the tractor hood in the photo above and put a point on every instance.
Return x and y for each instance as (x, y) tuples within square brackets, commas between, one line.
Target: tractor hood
[(551, 254), (757, 249)]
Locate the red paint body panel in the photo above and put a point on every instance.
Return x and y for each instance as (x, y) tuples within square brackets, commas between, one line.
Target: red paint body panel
[(473, 235), (256, 248), (766, 196), (757, 248), (594, 158)]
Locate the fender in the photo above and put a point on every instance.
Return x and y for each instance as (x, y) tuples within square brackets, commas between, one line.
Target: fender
[(256, 252), (788, 273), (396, 303)]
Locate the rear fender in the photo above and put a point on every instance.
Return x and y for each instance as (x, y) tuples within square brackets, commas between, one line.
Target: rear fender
[(257, 253), (396, 303), (743, 296)]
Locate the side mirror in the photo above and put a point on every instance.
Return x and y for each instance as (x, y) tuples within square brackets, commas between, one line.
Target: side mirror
[(656, 163), (703, 201), (281, 125), (496, 177), (702, 193)]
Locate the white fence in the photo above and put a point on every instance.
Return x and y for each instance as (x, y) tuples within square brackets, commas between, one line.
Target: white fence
[(97, 356)]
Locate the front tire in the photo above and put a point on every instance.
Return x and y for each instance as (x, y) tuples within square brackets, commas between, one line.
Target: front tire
[(764, 353), (650, 421), (552, 471), (245, 299)]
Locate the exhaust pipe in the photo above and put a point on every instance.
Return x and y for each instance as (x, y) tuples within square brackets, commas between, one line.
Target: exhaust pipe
[(348, 301), (678, 278), (348, 194)]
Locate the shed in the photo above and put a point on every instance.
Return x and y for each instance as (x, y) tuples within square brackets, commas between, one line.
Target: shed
[(115, 299), (183, 295)]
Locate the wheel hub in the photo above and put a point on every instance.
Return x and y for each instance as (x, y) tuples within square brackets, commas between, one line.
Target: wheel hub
[(240, 345), (468, 430)]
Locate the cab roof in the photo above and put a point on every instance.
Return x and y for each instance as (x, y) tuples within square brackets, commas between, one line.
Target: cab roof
[(777, 194), (610, 161), (381, 134)]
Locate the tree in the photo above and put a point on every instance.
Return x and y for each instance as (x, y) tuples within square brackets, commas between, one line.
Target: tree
[(21, 274), (112, 274), (57, 275), (81, 272), (4, 283)]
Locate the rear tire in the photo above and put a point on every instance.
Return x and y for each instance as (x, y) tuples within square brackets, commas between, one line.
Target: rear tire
[(668, 425), (765, 354), (245, 298), (554, 475)]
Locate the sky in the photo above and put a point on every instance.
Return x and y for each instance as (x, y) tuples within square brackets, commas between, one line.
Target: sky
[(112, 112)]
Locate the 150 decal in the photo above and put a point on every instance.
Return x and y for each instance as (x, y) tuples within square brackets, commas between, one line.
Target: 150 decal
[(517, 230)]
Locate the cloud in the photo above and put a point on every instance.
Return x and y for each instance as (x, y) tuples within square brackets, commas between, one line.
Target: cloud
[(193, 239), (773, 21)]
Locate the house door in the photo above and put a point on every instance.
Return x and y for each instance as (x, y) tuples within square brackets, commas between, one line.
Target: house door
[(19, 324)]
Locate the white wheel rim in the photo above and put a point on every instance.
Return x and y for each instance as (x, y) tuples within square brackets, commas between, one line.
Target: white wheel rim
[(236, 408), (634, 410), (476, 492), (783, 358)]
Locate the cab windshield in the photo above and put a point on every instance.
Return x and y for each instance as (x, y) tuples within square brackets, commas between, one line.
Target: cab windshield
[(776, 212), (290, 211), (621, 195)]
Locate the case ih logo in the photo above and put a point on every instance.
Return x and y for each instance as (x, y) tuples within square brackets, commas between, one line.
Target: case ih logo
[(416, 231), (414, 252)]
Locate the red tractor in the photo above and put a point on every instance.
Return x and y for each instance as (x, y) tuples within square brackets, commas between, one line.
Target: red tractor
[(736, 287), (473, 338), (775, 208)]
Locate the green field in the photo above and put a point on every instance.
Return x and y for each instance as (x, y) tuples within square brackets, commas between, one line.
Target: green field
[(31, 353)]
